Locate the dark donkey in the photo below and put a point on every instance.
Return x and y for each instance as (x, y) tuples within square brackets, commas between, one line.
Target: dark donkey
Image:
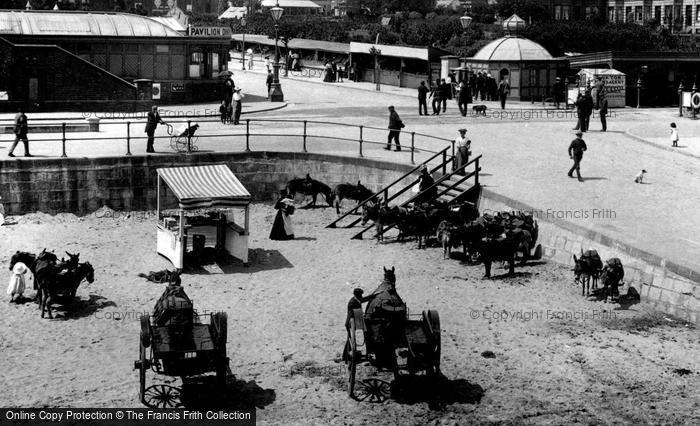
[(349, 191), (64, 284), (311, 187), (586, 269)]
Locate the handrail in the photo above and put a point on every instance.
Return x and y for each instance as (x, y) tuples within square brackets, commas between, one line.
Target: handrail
[(443, 178), (385, 190)]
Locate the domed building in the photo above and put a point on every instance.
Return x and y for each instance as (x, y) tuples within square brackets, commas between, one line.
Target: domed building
[(529, 67)]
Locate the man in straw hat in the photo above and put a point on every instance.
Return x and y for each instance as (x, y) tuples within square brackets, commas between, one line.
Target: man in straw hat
[(576, 149), (462, 150)]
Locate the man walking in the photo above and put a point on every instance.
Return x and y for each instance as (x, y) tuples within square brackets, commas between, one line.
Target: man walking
[(151, 125), (464, 98), (503, 91), (395, 126), (576, 149), (603, 112), (422, 99), (21, 130)]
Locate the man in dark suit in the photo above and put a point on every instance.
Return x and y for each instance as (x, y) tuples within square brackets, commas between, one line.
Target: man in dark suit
[(464, 98), (558, 92), (435, 93), (603, 112), (21, 130), (445, 94), (503, 91), (587, 110), (576, 149), (422, 99), (151, 125), (395, 126)]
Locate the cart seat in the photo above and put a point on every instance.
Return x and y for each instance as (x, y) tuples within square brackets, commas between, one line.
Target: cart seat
[(196, 338)]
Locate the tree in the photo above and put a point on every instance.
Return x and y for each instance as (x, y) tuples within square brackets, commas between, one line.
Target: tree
[(526, 9)]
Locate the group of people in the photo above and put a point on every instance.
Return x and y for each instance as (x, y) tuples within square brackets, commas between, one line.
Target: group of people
[(335, 71), (442, 91), (230, 108)]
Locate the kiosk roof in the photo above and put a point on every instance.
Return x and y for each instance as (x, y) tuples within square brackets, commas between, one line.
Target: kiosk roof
[(205, 186)]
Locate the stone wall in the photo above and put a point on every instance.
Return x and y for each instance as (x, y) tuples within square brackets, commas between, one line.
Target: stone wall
[(667, 286), (82, 185)]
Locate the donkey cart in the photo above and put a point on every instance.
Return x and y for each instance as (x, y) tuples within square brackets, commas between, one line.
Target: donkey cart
[(399, 343), (186, 348)]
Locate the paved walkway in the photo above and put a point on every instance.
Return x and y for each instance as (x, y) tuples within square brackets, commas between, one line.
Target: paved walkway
[(524, 156)]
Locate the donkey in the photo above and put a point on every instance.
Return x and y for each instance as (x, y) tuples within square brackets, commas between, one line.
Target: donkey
[(311, 187), (586, 269), (64, 284), (351, 192)]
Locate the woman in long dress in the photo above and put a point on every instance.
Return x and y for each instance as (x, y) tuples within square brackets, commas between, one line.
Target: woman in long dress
[(21, 276), (462, 146), (282, 229)]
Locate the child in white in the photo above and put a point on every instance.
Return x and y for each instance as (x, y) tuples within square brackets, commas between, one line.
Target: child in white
[(674, 135)]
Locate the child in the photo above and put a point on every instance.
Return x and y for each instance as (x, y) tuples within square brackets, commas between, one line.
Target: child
[(674, 135), (222, 110)]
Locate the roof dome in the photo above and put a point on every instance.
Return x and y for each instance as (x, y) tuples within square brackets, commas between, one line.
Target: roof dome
[(58, 22), (513, 24), (512, 49)]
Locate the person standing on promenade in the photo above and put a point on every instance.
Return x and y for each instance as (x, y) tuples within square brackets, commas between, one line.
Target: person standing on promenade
[(603, 104), (463, 150), (558, 92), (576, 149), (674, 135), (151, 125), (435, 94), (503, 91), (268, 81), (21, 130), (237, 105), (587, 110), (464, 98), (422, 99), (445, 94), (395, 126)]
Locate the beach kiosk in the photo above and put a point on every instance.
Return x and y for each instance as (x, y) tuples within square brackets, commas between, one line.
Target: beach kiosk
[(206, 199)]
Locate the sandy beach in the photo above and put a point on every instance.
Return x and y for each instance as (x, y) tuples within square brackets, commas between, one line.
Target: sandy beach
[(558, 357)]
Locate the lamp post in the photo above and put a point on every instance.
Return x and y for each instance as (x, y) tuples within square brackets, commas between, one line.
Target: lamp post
[(377, 75), (243, 54), (680, 99), (695, 90), (639, 90), (276, 94)]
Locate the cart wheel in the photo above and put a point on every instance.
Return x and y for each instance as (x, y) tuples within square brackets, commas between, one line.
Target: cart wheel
[(162, 396), (352, 363), (173, 143), (373, 390), (145, 331), (434, 322), (181, 144)]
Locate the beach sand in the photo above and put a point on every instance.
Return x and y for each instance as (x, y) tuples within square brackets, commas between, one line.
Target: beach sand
[(557, 356)]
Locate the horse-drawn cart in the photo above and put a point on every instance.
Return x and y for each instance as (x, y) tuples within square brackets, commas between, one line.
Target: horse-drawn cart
[(396, 343), (180, 347)]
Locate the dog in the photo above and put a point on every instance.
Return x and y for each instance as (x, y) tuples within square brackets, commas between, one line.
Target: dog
[(479, 109), (640, 177)]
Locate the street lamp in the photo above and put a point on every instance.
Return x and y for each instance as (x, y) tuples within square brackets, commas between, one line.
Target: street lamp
[(639, 90), (465, 21), (243, 54), (276, 94)]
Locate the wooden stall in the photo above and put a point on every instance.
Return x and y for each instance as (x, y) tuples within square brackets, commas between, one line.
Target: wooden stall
[(207, 198)]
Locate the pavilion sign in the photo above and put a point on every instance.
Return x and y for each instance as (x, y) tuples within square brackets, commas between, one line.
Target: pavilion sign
[(210, 32)]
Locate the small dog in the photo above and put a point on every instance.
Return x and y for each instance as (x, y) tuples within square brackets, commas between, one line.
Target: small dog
[(640, 177), (479, 109)]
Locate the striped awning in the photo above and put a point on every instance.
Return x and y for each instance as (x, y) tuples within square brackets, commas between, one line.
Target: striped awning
[(205, 186)]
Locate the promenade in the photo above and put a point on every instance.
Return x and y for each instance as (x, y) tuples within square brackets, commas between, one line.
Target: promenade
[(524, 152)]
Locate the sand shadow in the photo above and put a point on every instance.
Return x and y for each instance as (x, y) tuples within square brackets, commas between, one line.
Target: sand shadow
[(304, 238), (258, 260), (436, 391), (82, 308), (594, 178), (507, 276), (202, 393)]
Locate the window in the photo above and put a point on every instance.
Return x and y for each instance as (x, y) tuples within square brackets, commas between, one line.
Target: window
[(668, 15), (162, 48), (611, 14), (557, 13), (657, 14), (628, 14), (619, 14), (638, 13), (688, 15), (565, 13), (647, 13)]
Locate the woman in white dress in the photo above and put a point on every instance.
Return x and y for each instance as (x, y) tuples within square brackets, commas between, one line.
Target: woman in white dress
[(21, 276)]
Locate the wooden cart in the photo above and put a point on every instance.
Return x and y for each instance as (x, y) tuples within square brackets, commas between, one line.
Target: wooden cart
[(180, 350), (408, 344)]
